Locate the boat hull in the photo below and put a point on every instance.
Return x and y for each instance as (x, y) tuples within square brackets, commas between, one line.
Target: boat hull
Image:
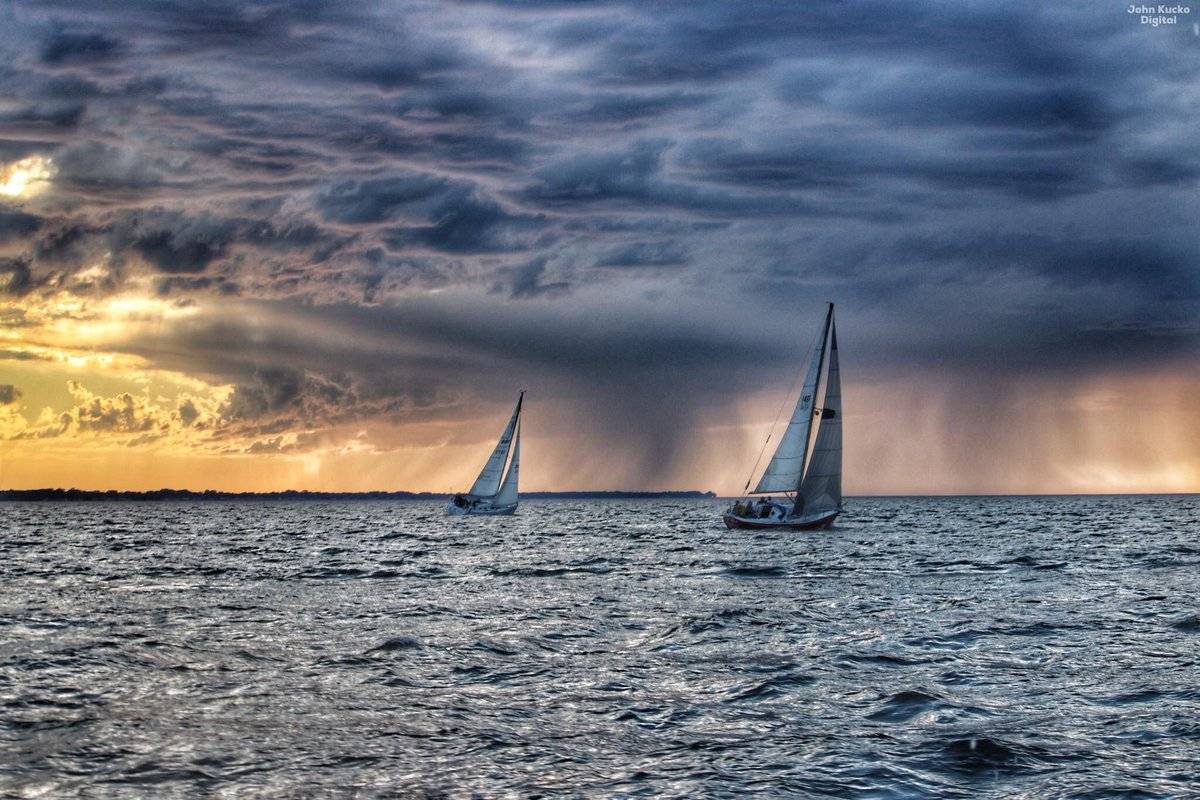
[(480, 511), (790, 523)]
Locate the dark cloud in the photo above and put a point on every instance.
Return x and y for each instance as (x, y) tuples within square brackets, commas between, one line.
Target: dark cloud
[(638, 178), (1126, 265), (828, 166), (63, 242), (1005, 184), (1155, 171), (451, 217), (16, 224), (97, 166), (809, 166), (465, 221), (9, 394), (604, 176), (437, 142), (270, 390), (188, 413), (64, 47), (395, 72), (376, 200), (187, 285), (291, 395), (185, 245), (15, 149), (529, 280), (16, 278), (41, 117), (187, 250), (624, 108), (645, 254), (921, 104)]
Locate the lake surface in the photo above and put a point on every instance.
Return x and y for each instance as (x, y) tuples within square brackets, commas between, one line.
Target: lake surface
[(924, 647)]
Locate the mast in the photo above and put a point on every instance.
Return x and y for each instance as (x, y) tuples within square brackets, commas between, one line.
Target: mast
[(785, 471), (488, 482)]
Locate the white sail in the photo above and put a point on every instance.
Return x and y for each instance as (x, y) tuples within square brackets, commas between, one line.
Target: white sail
[(488, 482), (784, 470), (822, 486), (507, 495)]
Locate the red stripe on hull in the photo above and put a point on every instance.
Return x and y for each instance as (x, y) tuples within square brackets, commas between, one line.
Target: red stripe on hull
[(762, 524)]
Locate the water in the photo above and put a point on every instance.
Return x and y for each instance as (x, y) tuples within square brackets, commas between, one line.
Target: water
[(958, 647)]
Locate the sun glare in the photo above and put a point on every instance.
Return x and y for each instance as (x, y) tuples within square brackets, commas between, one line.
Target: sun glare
[(26, 177)]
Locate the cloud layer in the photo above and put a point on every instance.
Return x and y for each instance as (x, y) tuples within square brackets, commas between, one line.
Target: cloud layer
[(391, 213)]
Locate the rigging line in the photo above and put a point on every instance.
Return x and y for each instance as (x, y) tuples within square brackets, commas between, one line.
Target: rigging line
[(778, 414)]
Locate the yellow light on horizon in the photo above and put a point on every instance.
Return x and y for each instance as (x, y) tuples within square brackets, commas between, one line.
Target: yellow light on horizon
[(138, 307), (26, 177)]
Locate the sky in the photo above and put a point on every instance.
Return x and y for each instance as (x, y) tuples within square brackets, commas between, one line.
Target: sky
[(265, 245)]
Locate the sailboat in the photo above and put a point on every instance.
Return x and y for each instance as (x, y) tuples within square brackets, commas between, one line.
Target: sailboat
[(490, 494), (808, 480)]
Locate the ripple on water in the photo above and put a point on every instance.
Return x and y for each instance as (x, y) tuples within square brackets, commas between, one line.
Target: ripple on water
[(1188, 623), (986, 755), (903, 706), (923, 647)]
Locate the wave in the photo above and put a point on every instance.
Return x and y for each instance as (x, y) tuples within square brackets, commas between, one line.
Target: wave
[(397, 644), (975, 755), (903, 706), (380, 650), (1189, 623), (754, 572)]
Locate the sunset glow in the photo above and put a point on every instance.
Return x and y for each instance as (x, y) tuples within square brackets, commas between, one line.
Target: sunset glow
[(26, 177)]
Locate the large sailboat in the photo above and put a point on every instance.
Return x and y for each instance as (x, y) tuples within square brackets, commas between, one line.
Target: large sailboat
[(803, 485), (495, 490)]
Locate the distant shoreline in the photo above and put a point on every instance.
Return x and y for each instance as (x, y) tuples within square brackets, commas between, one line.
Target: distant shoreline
[(159, 495), (187, 495)]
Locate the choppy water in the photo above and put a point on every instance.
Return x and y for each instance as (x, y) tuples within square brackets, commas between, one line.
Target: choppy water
[(965, 647)]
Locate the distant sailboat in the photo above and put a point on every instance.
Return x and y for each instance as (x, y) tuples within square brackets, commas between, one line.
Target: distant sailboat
[(490, 494), (812, 492)]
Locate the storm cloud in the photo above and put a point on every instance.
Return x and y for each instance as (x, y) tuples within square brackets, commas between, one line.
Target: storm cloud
[(388, 209)]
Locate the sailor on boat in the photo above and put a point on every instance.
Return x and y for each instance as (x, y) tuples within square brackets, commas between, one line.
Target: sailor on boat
[(809, 477), (495, 490), (759, 508), (461, 500)]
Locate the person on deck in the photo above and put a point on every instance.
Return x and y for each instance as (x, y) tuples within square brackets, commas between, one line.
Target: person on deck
[(765, 510)]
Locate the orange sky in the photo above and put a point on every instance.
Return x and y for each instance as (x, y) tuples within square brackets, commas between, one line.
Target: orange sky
[(91, 415)]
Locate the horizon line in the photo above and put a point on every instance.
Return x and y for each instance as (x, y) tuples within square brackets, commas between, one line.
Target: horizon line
[(714, 495)]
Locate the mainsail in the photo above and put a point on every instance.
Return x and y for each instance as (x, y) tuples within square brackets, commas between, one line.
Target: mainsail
[(786, 466), (822, 486), (507, 495), (488, 482)]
